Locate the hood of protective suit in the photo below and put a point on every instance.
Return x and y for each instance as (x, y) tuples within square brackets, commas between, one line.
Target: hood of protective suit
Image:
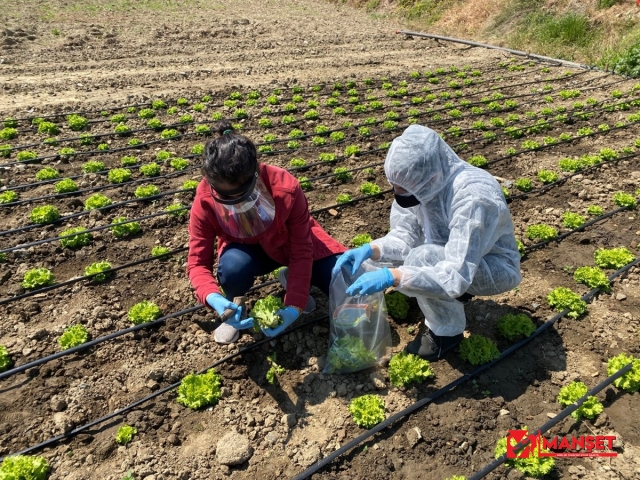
[(421, 162)]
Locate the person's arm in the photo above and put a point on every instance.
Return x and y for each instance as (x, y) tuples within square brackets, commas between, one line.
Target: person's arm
[(202, 237), (405, 234), (473, 223), (300, 252)]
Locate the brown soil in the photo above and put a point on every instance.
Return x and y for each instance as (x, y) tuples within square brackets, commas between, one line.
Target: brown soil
[(109, 58)]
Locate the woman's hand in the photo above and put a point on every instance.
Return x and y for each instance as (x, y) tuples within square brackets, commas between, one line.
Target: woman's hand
[(288, 315), (221, 304), (354, 258)]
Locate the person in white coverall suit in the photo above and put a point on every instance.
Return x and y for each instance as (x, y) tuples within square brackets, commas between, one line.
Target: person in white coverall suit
[(451, 238)]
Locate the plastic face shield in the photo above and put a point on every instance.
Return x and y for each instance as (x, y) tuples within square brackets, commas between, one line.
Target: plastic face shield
[(249, 213)]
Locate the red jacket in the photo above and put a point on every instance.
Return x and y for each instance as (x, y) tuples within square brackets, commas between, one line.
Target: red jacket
[(294, 238)]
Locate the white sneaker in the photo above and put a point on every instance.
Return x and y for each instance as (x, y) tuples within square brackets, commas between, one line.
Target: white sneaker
[(226, 334), (282, 278)]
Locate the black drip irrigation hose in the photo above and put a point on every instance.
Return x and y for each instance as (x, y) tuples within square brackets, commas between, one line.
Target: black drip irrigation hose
[(163, 390), (494, 47), (554, 421), (459, 381)]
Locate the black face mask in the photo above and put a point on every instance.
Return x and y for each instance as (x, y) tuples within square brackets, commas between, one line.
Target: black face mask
[(406, 201)]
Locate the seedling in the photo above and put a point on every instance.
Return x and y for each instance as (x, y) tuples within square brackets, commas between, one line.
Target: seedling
[(592, 277), (523, 184), (8, 196), (563, 298), (97, 200), (275, 370), (144, 191), (406, 368), (512, 326), (103, 147), (150, 169), (79, 238), (397, 305), (121, 230), (47, 173), (361, 239), (23, 467), (144, 312), (595, 210), (342, 174), (76, 122), (37, 277), (158, 104), (298, 162), (179, 163), (264, 312), (176, 210), (128, 160), (326, 157), (630, 381), (614, 258), (125, 434), (73, 336), (625, 200), (541, 232), (146, 113), (159, 250), (571, 393), (532, 465), (305, 184), (190, 184), (547, 176), (92, 166), (44, 214), (367, 411), (572, 220), (119, 175), (197, 149), (202, 130), (198, 391), (343, 198), (478, 350), (26, 155), (48, 128), (169, 133), (97, 269), (65, 185), (336, 136), (118, 118), (172, 110), (5, 358)]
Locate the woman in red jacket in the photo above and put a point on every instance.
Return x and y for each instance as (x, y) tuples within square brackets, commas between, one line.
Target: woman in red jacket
[(259, 215)]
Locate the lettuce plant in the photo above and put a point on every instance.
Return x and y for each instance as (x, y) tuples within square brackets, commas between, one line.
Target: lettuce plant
[(155, 123), (144, 191), (547, 176), (361, 239), (168, 133), (407, 368), (151, 169), (626, 200), (397, 305), (343, 198), (592, 277), (86, 139), (144, 312), (8, 196), (73, 336), (48, 128), (125, 434), (47, 173), (8, 133), (367, 411), (630, 381), (336, 136), (342, 174), (146, 113), (563, 298), (613, 257), (92, 166), (24, 467), (533, 465), (297, 162), (541, 232), (521, 248), (349, 354), (264, 312), (190, 184), (79, 238), (369, 188), (572, 220), (176, 210), (179, 163), (120, 229), (99, 270), (326, 157), (478, 350), (477, 161), (305, 184), (569, 394), (44, 214), (26, 155), (37, 277), (159, 250), (102, 147), (595, 210), (119, 175), (198, 391), (5, 358), (523, 184), (97, 200), (65, 185), (512, 326), (275, 370)]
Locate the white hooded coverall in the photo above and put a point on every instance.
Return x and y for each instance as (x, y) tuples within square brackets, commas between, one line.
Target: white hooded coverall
[(458, 239)]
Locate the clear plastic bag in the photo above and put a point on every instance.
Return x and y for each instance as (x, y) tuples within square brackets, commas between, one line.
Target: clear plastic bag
[(360, 333)]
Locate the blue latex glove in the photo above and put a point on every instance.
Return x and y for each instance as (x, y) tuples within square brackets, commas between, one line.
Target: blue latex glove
[(353, 258), (220, 304), (371, 282), (288, 315)]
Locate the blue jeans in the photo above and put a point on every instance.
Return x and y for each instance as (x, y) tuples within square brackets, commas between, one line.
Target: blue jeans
[(240, 263)]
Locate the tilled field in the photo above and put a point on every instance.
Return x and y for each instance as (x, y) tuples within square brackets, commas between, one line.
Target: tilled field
[(511, 117)]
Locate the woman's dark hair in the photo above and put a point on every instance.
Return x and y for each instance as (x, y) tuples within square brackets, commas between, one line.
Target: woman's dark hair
[(230, 157)]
